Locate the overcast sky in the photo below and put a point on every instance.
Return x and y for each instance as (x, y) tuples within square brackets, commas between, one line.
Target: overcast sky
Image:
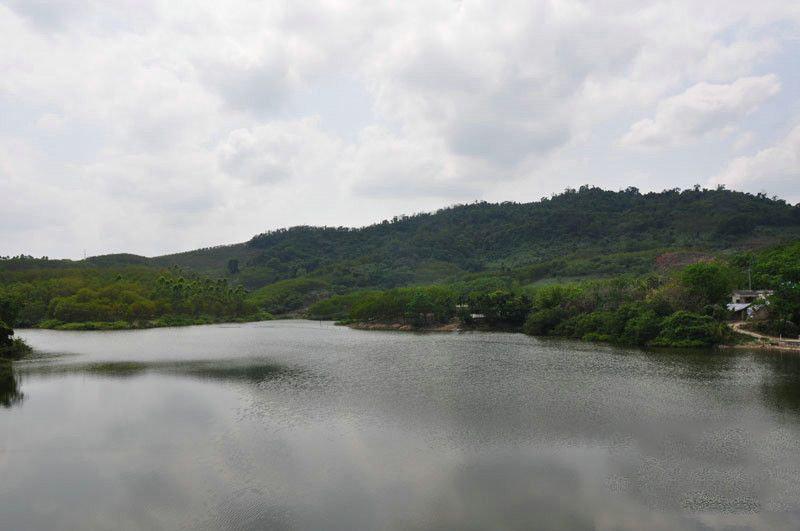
[(154, 126)]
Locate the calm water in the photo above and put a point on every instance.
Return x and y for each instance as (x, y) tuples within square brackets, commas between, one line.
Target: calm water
[(298, 425)]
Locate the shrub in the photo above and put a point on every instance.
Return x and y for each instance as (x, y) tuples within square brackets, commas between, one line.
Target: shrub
[(604, 338), (641, 329), (687, 329), (15, 350), (6, 333), (578, 326), (542, 322)]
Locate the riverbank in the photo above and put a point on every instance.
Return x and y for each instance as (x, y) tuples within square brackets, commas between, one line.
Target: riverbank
[(18, 349), (161, 322), (761, 341), (404, 327), (741, 338), (760, 346)]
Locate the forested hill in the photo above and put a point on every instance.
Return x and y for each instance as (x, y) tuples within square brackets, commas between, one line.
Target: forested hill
[(487, 236), (578, 232)]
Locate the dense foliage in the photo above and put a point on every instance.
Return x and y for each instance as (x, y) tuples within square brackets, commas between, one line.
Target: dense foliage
[(10, 347), (779, 269), (581, 232), (652, 310), (685, 308), (582, 226), (336, 307), (286, 296), (495, 260), (9, 309), (637, 311), (128, 296)]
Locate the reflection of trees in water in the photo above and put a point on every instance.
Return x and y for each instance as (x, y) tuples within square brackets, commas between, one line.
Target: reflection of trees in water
[(246, 370), (9, 386), (781, 387)]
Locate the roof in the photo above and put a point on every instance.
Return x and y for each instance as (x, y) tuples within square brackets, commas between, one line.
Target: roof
[(751, 292), (737, 307)]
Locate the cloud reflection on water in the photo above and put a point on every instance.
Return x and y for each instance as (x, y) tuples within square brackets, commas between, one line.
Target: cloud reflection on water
[(308, 428)]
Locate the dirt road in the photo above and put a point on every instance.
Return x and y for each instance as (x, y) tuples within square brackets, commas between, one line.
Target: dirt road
[(766, 340)]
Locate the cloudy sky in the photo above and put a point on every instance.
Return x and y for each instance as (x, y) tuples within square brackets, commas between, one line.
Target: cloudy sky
[(153, 126)]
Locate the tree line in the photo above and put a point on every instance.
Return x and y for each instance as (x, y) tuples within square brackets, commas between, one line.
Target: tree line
[(539, 239), (120, 297), (685, 308)]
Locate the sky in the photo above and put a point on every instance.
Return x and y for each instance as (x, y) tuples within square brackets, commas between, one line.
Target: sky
[(156, 126)]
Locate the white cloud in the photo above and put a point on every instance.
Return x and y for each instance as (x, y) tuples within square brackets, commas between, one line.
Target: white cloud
[(744, 140), (384, 165), (774, 170), (702, 109), (180, 127), (280, 150), (725, 60), (32, 211)]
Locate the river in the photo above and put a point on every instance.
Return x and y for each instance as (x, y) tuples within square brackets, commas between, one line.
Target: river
[(305, 425)]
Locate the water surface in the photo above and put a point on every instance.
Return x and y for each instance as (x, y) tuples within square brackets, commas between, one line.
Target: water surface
[(303, 425)]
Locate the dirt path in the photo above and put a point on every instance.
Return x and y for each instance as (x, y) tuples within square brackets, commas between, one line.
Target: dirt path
[(767, 341)]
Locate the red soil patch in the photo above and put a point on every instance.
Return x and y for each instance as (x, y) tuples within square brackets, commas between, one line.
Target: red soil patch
[(677, 259)]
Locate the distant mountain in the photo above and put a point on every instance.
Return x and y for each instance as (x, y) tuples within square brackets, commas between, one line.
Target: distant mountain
[(579, 232)]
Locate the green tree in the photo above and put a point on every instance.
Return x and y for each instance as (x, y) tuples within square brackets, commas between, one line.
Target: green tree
[(542, 322), (784, 308), (10, 348), (687, 329), (709, 282), (641, 329), (420, 305), (6, 335), (9, 309)]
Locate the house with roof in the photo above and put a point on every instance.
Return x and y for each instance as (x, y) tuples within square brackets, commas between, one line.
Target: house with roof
[(749, 303)]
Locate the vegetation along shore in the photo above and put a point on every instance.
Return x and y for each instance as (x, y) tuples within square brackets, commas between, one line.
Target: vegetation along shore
[(683, 308), (652, 269)]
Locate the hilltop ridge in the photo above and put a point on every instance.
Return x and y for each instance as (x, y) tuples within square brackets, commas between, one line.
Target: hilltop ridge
[(577, 232), (588, 224)]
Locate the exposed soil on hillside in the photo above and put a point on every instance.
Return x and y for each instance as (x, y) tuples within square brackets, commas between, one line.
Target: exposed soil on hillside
[(678, 259)]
